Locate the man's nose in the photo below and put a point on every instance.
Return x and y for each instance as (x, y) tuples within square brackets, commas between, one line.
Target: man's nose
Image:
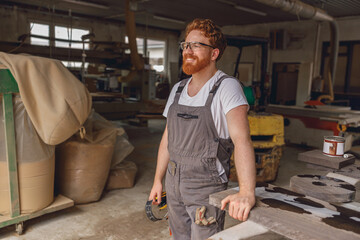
[(187, 48)]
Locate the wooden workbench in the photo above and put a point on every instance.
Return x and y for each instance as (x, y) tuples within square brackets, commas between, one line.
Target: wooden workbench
[(299, 217)]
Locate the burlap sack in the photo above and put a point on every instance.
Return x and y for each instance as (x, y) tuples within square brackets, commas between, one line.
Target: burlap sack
[(122, 146), (82, 165)]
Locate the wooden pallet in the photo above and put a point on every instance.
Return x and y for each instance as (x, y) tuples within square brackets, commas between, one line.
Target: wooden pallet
[(59, 203)]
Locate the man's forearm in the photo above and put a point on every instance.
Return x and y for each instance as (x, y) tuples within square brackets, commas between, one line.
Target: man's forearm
[(162, 159), (245, 166)]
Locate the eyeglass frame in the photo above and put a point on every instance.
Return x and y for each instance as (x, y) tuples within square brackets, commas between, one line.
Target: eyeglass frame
[(188, 45)]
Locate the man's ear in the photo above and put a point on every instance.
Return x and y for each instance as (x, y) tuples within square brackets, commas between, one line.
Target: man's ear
[(215, 54)]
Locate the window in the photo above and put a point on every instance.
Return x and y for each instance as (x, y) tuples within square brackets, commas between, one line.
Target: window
[(155, 52), (139, 43), (68, 35), (40, 30), (74, 65), (63, 36)]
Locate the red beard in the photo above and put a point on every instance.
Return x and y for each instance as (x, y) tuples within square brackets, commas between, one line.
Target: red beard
[(191, 68)]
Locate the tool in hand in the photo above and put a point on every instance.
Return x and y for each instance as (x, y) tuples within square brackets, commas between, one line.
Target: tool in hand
[(156, 212)]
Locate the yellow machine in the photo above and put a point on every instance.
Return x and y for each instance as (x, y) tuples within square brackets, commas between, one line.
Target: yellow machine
[(267, 135)]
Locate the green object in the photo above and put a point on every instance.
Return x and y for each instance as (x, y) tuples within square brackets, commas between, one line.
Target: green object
[(8, 86), (7, 82), (249, 94)]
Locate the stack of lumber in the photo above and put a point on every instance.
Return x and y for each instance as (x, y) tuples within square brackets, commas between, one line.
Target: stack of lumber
[(343, 172)]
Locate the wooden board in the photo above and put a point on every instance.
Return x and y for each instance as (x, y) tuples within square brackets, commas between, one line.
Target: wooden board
[(322, 187), (349, 174), (317, 157), (297, 216), (352, 170)]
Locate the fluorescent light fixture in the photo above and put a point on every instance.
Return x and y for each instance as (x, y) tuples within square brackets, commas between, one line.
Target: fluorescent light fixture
[(87, 4), (168, 19), (245, 9)]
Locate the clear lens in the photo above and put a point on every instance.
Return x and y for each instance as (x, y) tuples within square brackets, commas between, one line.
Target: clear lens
[(193, 45), (183, 45)]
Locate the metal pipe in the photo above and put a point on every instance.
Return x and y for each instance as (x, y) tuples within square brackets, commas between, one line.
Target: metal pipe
[(316, 49), (334, 48), (307, 11)]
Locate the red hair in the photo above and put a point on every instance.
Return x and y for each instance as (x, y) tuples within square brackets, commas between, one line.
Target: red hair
[(211, 31)]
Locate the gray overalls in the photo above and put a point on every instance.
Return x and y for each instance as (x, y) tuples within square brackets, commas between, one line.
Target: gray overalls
[(194, 145)]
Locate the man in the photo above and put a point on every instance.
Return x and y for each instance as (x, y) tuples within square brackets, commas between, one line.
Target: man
[(206, 118)]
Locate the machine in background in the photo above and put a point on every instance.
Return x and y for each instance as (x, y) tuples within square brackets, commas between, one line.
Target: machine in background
[(266, 129)]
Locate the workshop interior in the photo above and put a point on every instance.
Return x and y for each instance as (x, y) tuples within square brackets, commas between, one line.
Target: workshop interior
[(83, 86)]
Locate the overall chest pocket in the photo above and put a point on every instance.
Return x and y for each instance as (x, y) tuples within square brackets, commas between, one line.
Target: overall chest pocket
[(188, 133)]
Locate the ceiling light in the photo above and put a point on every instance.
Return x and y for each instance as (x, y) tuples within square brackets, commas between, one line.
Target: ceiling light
[(88, 4), (168, 19)]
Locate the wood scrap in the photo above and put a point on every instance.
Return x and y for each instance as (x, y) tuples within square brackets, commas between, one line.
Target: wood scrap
[(322, 187), (351, 175), (317, 157)]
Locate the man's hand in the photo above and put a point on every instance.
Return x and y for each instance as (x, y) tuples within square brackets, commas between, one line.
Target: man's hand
[(239, 205), (155, 194)]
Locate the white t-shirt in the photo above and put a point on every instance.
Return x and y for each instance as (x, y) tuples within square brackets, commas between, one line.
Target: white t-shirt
[(228, 96)]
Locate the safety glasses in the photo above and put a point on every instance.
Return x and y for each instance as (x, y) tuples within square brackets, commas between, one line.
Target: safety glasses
[(194, 45)]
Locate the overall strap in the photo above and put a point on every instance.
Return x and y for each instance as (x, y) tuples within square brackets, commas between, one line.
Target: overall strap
[(180, 89), (215, 88)]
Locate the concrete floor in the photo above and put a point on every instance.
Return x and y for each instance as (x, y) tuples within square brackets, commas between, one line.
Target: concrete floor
[(119, 215)]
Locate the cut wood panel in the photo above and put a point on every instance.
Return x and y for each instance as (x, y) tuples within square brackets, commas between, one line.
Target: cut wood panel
[(317, 157), (352, 170), (351, 175), (323, 188), (297, 216)]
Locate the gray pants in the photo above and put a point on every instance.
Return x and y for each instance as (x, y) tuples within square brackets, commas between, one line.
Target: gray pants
[(185, 194)]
